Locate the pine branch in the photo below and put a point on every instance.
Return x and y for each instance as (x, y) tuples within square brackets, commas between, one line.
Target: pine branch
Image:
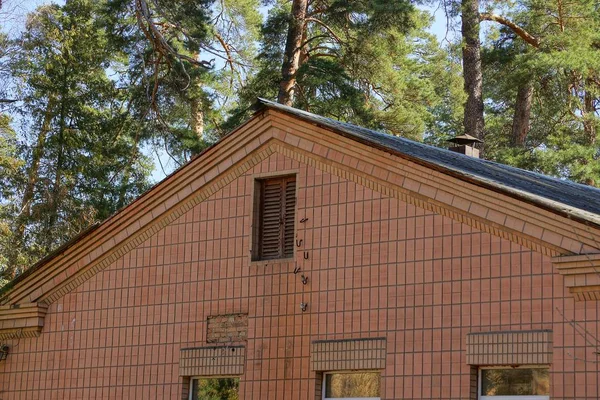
[(522, 33), (160, 44), (327, 28)]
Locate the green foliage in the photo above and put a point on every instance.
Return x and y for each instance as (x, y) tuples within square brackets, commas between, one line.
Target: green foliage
[(92, 85), (98, 83), (81, 160), (564, 71), (174, 92), (11, 168), (217, 389), (367, 62)]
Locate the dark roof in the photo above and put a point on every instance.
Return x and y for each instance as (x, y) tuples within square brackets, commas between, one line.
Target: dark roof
[(562, 196)]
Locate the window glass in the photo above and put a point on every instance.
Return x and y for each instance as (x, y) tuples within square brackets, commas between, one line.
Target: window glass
[(215, 389), (515, 382), (352, 385)]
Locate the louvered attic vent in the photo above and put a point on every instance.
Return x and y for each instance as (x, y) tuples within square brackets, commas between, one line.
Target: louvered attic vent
[(274, 214)]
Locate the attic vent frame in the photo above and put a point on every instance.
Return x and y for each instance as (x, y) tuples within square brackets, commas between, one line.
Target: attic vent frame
[(274, 214), (465, 144)]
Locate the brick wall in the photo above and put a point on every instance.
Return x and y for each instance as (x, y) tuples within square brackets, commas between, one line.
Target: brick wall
[(377, 267), (227, 328)]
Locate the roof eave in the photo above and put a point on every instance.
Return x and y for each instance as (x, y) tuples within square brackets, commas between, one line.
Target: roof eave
[(559, 208)]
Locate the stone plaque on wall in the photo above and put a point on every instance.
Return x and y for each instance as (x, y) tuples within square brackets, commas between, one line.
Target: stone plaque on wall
[(227, 328)]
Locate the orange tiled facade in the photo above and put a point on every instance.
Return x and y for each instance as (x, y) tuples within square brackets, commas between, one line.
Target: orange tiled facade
[(377, 268)]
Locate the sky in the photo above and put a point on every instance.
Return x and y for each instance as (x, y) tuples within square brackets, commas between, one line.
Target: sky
[(14, 13)]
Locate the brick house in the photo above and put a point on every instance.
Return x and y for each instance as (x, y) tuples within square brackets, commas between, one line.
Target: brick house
[(303, 258)]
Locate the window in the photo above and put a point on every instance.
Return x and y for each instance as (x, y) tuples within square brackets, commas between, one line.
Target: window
[(514, 384), (352, 385), (215, 389), (274, 214)]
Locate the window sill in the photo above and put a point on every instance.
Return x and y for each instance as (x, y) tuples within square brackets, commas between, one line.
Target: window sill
[(515, 397), (273, 261)]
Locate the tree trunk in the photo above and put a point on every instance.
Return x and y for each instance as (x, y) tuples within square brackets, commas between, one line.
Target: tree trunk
[(520, 126), (589, 115), (56, 194), (197, 117), (473, 116), (32, 178), (33, 170), (293, 51), (197, 106)]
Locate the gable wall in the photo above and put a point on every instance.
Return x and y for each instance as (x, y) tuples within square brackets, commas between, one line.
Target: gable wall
[(377, 267)]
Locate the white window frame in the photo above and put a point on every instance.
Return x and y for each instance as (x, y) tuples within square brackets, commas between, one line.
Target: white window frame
[(347, 372), (193, 378), (535, 397)]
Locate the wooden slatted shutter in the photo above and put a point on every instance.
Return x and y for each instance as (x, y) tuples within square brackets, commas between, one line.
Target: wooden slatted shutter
[(289, 215), (277, 215)]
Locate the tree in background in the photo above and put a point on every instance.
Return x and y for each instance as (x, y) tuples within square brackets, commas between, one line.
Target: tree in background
[(10, 171), (186, 60), (541, 77), (474, 122), (367, 62), (91, 86), (80, 157), (93, 83)]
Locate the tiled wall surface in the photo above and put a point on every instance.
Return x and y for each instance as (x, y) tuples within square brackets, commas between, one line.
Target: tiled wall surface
[(348, 354), (510, 348), (376, 268), (212, 361)]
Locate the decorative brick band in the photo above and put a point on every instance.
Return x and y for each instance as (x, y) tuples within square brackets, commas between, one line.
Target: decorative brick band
[(509, 348), (582, 275), (155, 226), (348, 354), (21, 333), (396, 191), (227, 328), (211, 361), (24, 320)]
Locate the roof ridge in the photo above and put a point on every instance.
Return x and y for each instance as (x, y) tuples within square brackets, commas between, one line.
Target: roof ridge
[(562, 195)]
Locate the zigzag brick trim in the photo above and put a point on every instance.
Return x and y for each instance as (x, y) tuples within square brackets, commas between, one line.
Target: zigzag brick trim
[(312, 160), (21, 333), (155, 226), (581, 275), (404, 195), (587, 294)]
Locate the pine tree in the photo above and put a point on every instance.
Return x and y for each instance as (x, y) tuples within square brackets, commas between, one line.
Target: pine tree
[(542, 80), (187, 60), (82, 161), (371, 63)]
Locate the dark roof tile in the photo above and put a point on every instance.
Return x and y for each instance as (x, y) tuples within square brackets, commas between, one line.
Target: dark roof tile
[(563, 196)]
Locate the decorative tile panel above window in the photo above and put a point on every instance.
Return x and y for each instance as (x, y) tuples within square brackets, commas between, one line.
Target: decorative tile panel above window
[(510, 348), (348, 354), (211, 361), (273, 221)]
